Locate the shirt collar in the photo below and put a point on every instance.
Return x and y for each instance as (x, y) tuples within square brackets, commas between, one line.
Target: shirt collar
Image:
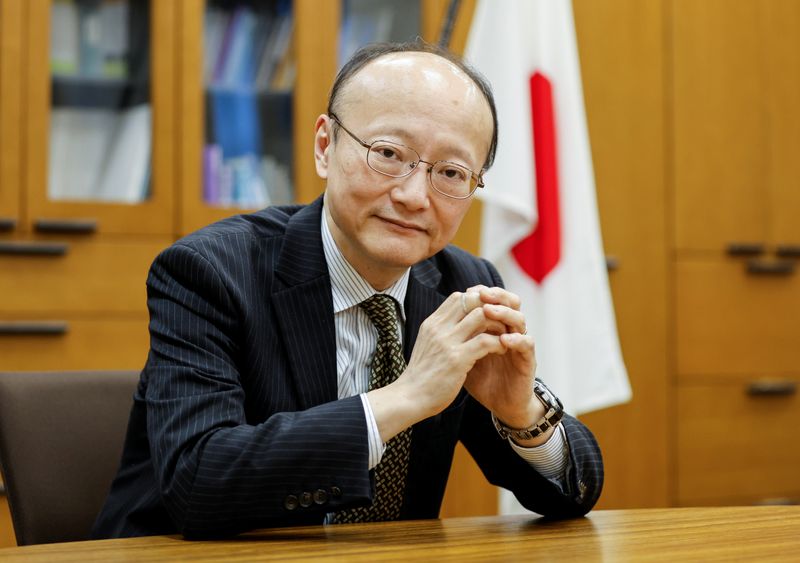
[(347, 286)]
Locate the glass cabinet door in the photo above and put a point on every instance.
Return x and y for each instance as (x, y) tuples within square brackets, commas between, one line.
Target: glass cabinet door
[(242, 64), (248, 77), (99, 120)]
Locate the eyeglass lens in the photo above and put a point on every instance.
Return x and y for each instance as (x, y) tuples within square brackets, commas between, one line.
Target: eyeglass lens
[(397, 160)]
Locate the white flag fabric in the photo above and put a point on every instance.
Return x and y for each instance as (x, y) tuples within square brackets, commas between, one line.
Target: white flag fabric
[(540, 224)]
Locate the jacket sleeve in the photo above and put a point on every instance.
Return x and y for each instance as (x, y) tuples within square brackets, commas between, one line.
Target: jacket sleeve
[(219, 473), (504, 468), (577, 493)]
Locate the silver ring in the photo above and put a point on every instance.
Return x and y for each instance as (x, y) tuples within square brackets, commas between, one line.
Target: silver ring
[(464, 303)]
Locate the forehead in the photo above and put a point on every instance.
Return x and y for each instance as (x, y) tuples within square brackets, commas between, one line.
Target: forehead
[(422, 90)]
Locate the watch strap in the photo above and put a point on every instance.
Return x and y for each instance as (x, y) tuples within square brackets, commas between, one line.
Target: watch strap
[(553, 415)]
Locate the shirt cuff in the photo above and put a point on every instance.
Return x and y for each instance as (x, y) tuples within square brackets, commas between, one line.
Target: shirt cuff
[(549, 459), (376, 446)]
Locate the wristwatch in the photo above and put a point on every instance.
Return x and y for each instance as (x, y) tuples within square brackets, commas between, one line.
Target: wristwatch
[(553, 406)]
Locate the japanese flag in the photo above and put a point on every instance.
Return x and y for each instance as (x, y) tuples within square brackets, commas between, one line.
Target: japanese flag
[(540, 225)]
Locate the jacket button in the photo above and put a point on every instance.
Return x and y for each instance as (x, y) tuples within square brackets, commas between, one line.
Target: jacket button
[(320, 496), (336, 492), (306, 500), (290, 502)]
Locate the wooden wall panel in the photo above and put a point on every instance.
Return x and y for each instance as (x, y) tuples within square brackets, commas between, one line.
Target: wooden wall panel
[(621, 50), (720, 130)]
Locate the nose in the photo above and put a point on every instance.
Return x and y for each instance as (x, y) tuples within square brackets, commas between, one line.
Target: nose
[(412, 191)]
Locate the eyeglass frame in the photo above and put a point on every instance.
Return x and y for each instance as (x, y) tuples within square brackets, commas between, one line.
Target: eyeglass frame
[(478, 177)]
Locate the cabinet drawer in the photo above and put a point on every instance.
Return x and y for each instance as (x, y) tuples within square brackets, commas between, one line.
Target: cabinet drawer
[(98, 343), (737, 446), (731, 322), (93, 276)]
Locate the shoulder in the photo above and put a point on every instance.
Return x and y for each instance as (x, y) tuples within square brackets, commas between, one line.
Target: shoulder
[(235, 244), (263, 224), (240, 231)]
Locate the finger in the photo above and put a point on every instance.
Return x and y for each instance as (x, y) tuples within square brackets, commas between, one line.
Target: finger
[(522, 344), (452, 307), (482, 345), (477, 288), (500, 296), (476, 322), (470, 300), (513, 320)]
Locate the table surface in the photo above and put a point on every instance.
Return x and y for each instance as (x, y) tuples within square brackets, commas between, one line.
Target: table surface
[(768, 533)]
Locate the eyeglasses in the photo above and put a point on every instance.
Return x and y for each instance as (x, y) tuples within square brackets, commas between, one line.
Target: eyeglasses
[(398, 161)]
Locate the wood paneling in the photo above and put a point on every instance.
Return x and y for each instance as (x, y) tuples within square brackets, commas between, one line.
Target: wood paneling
[(10, 107), (621, 50), (781, 33), (735, 448), (316, 44), (732, 322), (98, 276), (90, 343), (720, 128)]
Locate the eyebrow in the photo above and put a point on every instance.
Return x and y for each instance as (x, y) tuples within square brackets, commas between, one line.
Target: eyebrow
[(405, 134)]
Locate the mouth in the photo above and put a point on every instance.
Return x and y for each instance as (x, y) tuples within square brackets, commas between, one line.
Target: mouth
[(403, 224)]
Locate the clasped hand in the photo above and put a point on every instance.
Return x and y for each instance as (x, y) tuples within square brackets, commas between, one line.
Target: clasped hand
[(478, 340)]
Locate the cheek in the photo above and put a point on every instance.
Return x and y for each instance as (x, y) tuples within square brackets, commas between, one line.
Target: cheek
[(449, 217)]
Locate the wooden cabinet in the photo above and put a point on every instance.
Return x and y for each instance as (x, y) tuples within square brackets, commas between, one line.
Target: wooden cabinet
[(153, 215), (737, 441), (736, 241), (315, 58), (736, 123)]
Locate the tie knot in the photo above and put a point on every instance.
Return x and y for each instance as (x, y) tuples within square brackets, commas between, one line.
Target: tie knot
[(382, 311)]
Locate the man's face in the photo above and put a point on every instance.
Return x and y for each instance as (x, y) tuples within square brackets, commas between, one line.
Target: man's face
[(384, 225)]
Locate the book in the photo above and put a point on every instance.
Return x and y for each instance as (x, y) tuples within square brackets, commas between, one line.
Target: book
[(79, 141), (125, 172)]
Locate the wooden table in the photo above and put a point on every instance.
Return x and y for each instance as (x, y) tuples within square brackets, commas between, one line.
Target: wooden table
[(672, 534)]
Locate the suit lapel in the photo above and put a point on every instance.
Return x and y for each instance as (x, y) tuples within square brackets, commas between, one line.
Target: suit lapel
[(304, 308)]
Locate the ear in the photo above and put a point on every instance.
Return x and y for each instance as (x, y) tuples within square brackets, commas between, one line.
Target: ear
[(322, 143)]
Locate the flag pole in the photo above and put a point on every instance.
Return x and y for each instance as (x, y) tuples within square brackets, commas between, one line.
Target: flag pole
[(449, 21)]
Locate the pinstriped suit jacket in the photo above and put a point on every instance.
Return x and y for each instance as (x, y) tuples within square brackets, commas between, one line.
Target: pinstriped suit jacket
[(237, 405)]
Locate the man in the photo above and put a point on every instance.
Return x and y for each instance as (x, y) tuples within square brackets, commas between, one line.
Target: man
[(318, 364)]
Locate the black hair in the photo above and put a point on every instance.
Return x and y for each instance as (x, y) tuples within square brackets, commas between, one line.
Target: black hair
[(376, 50)]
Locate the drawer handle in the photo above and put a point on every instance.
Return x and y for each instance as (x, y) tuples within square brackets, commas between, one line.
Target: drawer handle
[(771, 388), (66, 226), (33, 248), (745, 248), (7, 224), (33, 328), (612, 263), (778, 268), (788, 251)]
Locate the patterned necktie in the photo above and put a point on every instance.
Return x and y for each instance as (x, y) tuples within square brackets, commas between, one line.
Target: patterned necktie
[(387, 365)]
